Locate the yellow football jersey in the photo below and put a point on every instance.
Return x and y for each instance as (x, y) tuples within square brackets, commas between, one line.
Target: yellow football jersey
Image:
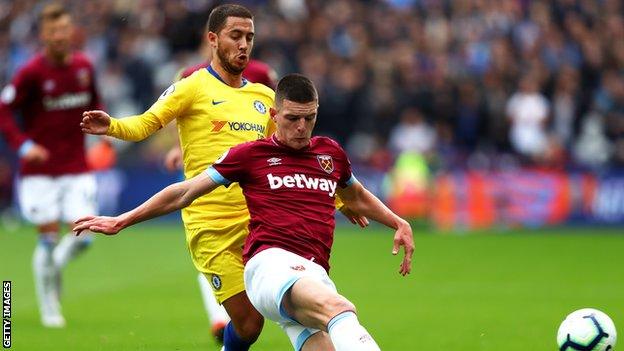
[(211, 117)]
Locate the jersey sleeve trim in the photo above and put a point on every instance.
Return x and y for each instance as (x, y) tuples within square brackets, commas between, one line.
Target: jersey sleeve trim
[(25, 147), (217, 177), (352, 180)]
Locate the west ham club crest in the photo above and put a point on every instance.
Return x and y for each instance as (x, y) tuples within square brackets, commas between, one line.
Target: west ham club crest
[(326, 163), (84, 78)]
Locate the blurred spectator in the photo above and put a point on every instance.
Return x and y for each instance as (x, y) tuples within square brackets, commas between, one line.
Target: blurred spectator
[(527, 110), (592, 147), (609, 103), (412, 134), (565, 104)]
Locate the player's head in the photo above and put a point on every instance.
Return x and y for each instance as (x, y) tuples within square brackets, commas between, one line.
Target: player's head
[(296, 106), (230, 35), (55, 30)]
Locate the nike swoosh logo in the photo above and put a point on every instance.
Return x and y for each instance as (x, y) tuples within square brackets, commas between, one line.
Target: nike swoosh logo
[(217, 102)]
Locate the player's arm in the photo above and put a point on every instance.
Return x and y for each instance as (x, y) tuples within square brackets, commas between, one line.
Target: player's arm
[(365, 203), (351, 215), (133, 128), (172, 103), (14, 96), (171, 198)]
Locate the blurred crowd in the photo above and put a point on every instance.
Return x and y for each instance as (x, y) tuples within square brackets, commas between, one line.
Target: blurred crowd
[(474, 83)]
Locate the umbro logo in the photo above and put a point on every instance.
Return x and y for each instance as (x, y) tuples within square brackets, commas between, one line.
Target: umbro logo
[(217, 102), (274, 161)]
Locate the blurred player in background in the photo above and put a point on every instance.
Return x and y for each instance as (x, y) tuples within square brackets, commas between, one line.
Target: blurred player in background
[(290, 180), (258, 72), (50, 92)]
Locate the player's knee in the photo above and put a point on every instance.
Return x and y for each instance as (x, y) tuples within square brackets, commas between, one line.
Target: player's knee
[(335, 305), (249, 329)]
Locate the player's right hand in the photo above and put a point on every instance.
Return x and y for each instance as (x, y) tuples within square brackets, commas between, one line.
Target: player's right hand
[(98, 224), (36, 155), (353, 217), (404, 237), (173, 159), (95, 122)]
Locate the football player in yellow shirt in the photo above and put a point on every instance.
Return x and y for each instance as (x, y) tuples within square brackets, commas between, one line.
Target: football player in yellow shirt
[(215, 109)]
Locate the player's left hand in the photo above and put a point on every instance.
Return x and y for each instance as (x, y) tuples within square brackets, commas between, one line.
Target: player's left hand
[(173, 159), (403, 237), (98, 224), (95, 122), (353, 217)]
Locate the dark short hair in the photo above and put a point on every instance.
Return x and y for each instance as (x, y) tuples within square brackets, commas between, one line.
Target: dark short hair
[(295, 87), (52, 11), (219, 15)]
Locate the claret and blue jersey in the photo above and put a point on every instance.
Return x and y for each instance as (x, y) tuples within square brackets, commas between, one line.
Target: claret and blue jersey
[(290, 193)]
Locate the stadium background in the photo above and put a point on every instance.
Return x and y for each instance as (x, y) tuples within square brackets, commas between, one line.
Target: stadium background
[(420, 93)]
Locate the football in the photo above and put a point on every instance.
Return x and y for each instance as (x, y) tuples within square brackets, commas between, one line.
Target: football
[(587, 329)]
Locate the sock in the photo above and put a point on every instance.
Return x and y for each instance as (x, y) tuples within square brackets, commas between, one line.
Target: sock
[(233, 342), (216, 313), (47, 277), (70, 247), (346, 333)]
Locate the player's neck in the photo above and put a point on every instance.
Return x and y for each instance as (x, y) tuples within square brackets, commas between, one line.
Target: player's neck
[(56, 59), (282, 141), (233, 80)]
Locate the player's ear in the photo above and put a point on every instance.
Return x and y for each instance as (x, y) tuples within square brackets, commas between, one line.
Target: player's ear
[(211, 37), (273, 113)]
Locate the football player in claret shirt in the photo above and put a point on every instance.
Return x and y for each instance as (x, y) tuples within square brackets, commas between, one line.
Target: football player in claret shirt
[(50, 92), (289, 181)]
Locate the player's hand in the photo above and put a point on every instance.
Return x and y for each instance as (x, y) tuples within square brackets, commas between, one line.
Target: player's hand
[(95, 122), (173, 159), (403, 237), (98, 224), (353, 217), (37, 154)]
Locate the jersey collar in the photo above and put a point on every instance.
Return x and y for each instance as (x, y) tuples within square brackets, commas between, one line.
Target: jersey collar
[(216, 75), (279, 143)]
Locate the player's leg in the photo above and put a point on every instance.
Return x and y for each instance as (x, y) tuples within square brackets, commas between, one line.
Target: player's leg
[(246, 324), (217, 251), (306, 339), (38, 198), (47, 277), (313, 303), (269, 275), (217, 315), (77, 200), (319, 341)]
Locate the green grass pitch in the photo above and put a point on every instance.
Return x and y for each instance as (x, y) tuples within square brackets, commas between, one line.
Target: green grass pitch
[(510, 291)]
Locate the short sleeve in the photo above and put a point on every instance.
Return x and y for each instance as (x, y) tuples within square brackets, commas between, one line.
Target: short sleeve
[(16, 94), (13, 97), (346, 177), (231, 167)]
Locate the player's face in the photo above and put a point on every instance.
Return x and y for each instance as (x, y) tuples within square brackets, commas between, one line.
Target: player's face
[(233, 44), (295, 122), (56, 35)]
